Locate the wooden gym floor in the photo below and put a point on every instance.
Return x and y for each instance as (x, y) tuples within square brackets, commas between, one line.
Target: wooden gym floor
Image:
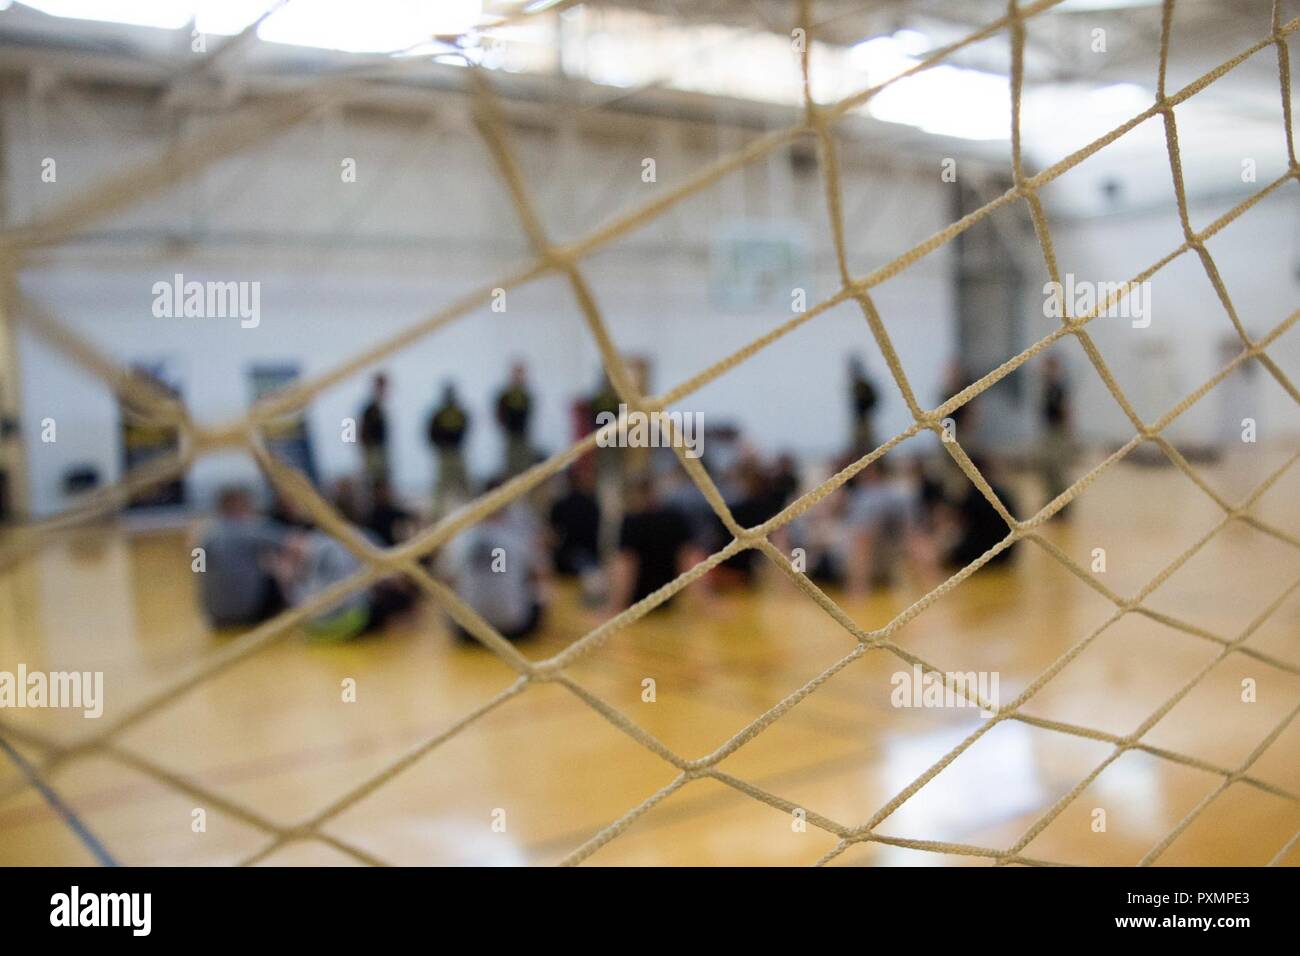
[(272, 732)]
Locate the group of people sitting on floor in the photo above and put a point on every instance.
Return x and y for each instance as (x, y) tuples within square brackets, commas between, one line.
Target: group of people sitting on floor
[(623, 524), (922, 517), (888, 519), (256, 566)]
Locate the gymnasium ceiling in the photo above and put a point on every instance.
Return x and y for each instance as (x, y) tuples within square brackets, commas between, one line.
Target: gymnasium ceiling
[(1204, 27), (656, 53)]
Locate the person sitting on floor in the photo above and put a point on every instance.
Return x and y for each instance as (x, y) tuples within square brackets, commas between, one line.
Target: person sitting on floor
[(979, 527), (575, 524), (498, 568), (387, 520), (883, 519), (312, 561), (236, 588), (653, 546), (346, 498), (757, 500)]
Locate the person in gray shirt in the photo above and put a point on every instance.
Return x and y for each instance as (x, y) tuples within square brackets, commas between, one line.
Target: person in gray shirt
[(236, 588), (883, 524), (312, 561), (498, 568)]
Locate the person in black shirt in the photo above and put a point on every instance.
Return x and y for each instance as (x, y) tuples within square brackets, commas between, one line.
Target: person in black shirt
[(605, 399), (758, 502), (864, 401), (346, 498), (374, 431), (652, 546), (1054, 413), (785, 479), (979, 525), (514, 408), (610, 462), (929, 495), (575, 523), (957, 378), (387, 520), (963, 425), (447, 427)]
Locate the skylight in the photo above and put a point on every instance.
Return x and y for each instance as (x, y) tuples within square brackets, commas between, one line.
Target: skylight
[(629, 49), (375, 26), (944, 99)]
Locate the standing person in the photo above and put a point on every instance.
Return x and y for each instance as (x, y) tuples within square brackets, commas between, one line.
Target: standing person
[(864, 400), (1057, 443), (514, 409), (447, 427), (609, 465), (374, 431)]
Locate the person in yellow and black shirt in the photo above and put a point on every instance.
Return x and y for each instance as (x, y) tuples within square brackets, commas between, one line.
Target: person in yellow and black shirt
[(1056, 434), (447, 427), (609, 460), (864, 401), (514, 409), (374, 431)]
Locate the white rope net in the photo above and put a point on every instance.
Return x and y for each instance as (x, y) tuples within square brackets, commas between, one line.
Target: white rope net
[(565, 260)]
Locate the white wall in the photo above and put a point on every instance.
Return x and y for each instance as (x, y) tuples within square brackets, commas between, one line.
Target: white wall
[(343, 266), (1258, 258)]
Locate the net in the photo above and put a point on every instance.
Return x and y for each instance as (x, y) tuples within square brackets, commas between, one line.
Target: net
[(565, 260)]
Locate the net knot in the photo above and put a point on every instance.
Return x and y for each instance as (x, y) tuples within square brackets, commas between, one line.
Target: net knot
[(558, 257), (544, 672), (298, 833), (230, 435)]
